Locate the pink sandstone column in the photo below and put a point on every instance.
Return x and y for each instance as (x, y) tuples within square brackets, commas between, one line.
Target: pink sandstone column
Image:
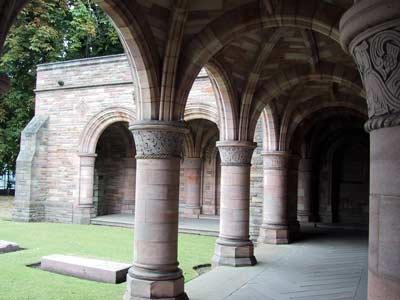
[(234, 247), (293, 180), (86, 180), (275, 225), (192, 187), (370, 31), (155, 273), (304, 190)]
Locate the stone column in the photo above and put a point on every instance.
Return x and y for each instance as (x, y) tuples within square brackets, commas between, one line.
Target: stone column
[(85, 210), (4, 84), (234, 247), (192, 187), (370, 31), (293, 178), (155, 273), (304, 190), (275, 225)]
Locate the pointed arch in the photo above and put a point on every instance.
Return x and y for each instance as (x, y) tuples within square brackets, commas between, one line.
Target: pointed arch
[(250, 16), (226, 100), (285, 80), (97, 124), (136, 37)]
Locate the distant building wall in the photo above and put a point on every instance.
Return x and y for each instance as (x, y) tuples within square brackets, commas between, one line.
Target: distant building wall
[(72, 97), (68, 94)]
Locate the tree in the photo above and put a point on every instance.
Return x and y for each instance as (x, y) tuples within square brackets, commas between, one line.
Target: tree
[(46, 31)]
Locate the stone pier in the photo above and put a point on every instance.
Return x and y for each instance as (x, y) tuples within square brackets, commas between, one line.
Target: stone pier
[(155, 273), (370, 32), (234, 247)]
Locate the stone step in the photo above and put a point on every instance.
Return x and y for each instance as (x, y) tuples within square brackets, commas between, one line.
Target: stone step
[(86, 268), (6, 247), (204, 232)]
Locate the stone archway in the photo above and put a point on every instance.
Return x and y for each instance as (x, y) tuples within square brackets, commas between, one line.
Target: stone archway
[(87, 155), (200, 170), (115, 172)]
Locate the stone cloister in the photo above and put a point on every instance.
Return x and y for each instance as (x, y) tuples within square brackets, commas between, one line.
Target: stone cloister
[(316, 83)]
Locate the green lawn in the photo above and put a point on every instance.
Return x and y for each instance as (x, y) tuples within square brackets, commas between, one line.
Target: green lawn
[(18, 282)]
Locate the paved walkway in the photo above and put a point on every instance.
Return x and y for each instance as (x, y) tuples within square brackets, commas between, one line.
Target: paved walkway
[(325, 265), (202, 226)]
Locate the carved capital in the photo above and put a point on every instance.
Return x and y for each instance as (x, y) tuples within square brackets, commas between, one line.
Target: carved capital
[(370, 31), (158, 139), (378, 60), (236, 153), (276, 160), (389, 120), (4, 84)]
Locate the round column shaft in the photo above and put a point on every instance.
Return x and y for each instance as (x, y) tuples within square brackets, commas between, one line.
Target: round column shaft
[(234, 247), (155, 273), (275, 226), (293, 180), (304, 191), (86, 182), (370, 31), (192, 167)]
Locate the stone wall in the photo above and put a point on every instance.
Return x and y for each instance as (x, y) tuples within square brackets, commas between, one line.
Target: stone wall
[(68, 95), (115, 171), (256, 183), (343, 189)]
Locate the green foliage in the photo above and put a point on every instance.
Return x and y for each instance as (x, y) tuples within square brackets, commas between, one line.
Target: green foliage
[(46, 31)]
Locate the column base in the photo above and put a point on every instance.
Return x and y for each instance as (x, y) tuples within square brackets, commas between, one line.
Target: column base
[(83, 214), (305, 218), (274, 235), (233, 253), (191, 212), (143, 289)]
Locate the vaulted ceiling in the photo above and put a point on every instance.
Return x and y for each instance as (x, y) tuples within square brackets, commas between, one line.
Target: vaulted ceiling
[(280, 54)]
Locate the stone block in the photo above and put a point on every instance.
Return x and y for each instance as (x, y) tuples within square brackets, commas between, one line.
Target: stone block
[(274, 236), (6, 247), (86, 268), (140, 289), (234, 255)]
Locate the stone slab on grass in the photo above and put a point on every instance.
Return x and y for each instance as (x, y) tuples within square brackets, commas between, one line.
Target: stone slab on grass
[(86, 268), (6, 247)]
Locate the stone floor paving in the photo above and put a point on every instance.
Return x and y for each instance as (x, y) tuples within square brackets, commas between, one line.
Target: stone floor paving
[(326, 265)]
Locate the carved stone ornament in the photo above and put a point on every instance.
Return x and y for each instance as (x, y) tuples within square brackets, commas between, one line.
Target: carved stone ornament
[(390, 120), (236, 153), (378, 60), (158, 139), (276, 160), (370, 31)]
